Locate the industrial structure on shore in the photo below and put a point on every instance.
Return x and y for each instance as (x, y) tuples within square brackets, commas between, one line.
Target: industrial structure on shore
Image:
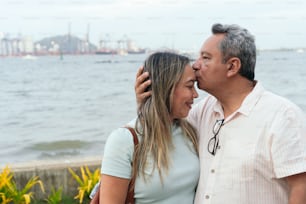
[(64, 44)]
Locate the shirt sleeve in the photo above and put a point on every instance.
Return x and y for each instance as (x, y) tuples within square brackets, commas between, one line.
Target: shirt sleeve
[(118, 154), (289, 143)]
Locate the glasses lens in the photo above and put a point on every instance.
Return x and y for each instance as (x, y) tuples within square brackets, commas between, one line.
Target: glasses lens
[(214, 141), (211, 144)]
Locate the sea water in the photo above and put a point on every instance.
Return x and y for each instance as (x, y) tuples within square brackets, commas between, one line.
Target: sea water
[(57, 108)]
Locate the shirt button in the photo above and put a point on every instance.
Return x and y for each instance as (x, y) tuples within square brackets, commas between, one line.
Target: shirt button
[(212, 171), (207, 196)]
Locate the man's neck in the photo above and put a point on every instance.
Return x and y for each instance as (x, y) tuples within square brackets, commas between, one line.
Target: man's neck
[(234, 95)]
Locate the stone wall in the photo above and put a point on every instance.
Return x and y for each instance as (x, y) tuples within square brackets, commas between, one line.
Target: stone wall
[(53, 174)]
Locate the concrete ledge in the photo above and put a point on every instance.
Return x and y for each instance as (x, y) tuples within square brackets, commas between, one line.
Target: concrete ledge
[(53, 173)]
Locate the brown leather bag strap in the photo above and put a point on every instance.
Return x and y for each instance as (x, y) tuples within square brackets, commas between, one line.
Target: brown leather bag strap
[(135, 138), (130, 196)]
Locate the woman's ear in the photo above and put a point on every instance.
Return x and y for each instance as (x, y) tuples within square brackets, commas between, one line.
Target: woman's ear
[(233, 66)]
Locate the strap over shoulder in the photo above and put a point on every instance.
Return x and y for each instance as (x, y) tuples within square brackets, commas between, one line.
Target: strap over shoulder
[(132, 130), (130, 196)]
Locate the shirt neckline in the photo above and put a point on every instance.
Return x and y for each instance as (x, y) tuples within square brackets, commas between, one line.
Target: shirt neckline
[(247, 105)]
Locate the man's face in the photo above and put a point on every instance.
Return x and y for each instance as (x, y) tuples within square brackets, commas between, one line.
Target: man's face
[(209, 67)]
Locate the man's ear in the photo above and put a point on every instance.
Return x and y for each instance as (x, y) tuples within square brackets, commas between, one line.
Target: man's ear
[(233, 66)]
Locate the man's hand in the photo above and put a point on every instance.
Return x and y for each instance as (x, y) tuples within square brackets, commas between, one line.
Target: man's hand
[(142, 82)]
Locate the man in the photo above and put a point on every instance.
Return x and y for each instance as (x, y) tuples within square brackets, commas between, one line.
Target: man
[(252, 142)]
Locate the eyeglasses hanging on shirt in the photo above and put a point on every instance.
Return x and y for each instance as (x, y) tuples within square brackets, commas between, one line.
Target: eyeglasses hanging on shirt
[(213, 142)]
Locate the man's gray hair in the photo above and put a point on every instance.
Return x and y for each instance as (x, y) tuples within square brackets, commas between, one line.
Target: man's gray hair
[(238, 42)]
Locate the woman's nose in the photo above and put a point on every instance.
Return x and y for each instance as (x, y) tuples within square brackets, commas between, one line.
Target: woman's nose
[(195, 65)]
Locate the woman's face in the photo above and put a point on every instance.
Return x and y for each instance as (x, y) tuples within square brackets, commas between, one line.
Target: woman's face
[(183, 95)]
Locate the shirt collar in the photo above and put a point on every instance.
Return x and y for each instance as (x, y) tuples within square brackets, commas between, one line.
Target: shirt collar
[(251, 99), (248, 103)]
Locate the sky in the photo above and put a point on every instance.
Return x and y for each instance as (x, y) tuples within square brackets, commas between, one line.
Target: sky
[(177, 24)]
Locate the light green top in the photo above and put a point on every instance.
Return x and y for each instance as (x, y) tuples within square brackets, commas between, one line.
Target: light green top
[(179, 184)]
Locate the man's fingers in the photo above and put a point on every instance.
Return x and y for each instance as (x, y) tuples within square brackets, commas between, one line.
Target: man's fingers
[(146, 94), (141, 87), (141, 81), (141, 78), (142, 96), (139, 72), (141, 84)]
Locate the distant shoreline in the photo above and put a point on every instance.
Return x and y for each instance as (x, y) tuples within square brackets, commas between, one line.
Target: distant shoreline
[(31, 55)]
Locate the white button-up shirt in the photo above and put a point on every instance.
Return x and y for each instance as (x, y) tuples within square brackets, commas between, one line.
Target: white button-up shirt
[(259, 144)]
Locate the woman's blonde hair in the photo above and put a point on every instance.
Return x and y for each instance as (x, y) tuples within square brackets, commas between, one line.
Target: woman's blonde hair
[(153, 122)]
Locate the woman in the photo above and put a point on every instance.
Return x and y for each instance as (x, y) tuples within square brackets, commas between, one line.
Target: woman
[(165, 163)]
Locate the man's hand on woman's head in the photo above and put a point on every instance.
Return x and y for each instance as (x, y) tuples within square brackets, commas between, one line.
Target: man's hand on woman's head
[(141, 84)]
